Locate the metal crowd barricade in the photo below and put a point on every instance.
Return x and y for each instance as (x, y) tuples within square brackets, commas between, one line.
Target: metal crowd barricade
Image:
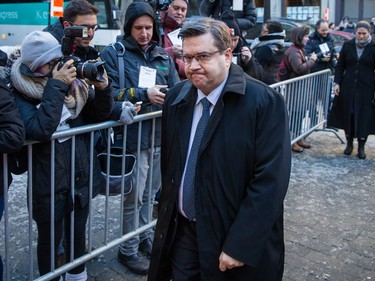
[(308, 99), (105, 221)]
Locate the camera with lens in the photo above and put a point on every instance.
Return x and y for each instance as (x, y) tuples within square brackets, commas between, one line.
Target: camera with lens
[(93, 71), (320, 55), (160, 5)]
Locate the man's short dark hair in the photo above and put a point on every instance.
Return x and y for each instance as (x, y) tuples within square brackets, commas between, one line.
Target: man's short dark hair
[(274, 26), (202, 25), (79, 8), (319, 23)]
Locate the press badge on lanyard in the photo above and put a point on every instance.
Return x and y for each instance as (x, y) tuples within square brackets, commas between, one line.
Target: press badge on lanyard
[(147, 77)]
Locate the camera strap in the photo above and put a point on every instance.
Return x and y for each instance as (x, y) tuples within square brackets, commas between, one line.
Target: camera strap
[(120, 48)]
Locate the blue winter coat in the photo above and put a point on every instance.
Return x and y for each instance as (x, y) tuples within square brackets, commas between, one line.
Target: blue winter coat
[(154, 57)]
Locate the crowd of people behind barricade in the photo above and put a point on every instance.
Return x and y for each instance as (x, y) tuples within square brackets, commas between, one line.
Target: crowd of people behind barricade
[(350, 110), (348, 25), (43, 93)]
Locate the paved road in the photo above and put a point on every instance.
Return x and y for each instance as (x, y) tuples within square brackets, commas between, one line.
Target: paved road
[(329, 219)]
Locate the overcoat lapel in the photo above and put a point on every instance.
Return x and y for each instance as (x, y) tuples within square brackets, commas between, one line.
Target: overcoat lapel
[(235, 85), (184, 104)]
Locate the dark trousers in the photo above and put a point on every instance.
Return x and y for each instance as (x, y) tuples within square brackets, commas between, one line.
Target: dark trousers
[(184, 252), (1, 215), (44, 239)]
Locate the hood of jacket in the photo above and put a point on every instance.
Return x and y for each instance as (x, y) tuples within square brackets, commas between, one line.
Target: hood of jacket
[(56, 29), (134, 11)]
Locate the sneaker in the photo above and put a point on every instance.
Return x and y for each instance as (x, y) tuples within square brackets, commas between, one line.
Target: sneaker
[(135, 263), (145, 247)]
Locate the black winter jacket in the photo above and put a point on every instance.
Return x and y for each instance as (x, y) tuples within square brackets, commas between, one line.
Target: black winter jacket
[(40, 124), (270, 56), (12, 131), (246, 18), (253, 67), (313, 46)]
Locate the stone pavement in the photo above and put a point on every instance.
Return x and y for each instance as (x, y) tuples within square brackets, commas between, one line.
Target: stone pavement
[(329, 219)]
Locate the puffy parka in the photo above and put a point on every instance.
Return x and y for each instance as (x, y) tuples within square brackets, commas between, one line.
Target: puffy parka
[(12, 131)]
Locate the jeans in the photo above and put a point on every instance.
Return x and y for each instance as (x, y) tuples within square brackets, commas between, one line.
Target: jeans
[(134, 219)]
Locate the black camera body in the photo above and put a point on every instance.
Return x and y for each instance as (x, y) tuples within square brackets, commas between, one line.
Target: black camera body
[(93, 71), (320, 55), (160, 5)]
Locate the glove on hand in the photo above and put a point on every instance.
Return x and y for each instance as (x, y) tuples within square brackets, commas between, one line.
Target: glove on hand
[(127, 113)]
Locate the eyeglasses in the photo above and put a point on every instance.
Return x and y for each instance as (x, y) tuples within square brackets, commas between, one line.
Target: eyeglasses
[(200, 57), (93, 27)]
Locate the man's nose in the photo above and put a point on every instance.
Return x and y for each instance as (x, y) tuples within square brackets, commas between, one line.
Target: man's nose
[(194, 64)]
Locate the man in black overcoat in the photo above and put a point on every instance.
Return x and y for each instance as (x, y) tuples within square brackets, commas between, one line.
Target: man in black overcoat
[(234, 231)]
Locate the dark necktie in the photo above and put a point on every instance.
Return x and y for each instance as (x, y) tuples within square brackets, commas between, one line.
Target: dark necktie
[(189, 180)]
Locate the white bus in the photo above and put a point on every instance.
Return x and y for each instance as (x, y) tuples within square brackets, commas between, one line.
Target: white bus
[(20, 17)]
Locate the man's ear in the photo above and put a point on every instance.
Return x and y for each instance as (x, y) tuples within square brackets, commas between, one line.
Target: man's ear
[(228, 56), (66, 24)]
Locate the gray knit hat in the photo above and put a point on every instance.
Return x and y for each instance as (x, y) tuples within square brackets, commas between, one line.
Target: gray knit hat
[(39, 48)]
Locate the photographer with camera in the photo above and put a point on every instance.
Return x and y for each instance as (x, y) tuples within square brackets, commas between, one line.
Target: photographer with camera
[(171, 22), (242, 54), (50, 98), (322, 44), (75, 30), (148, 69), (78, 13)]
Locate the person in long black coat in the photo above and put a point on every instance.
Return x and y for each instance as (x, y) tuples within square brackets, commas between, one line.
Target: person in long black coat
[(242, 170), (353, 107), (12, 133)]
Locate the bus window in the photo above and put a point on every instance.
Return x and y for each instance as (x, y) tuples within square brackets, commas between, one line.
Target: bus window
[(19, 18)]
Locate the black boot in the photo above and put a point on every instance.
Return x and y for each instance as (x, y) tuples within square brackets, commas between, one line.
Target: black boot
[(349, 145), (361, 149)]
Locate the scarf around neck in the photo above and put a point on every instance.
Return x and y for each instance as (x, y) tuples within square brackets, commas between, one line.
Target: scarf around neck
[(269, 39), (33, 88), (364, 44)]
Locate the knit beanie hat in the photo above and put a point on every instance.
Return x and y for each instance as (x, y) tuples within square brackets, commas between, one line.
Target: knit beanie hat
[(39, 48), (230, 20)]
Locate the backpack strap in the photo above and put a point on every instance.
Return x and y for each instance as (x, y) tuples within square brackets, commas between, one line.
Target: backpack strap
[(120, 48)]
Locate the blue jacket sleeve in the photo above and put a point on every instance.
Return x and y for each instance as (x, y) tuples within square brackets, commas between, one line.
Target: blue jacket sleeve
[(133, 94)]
